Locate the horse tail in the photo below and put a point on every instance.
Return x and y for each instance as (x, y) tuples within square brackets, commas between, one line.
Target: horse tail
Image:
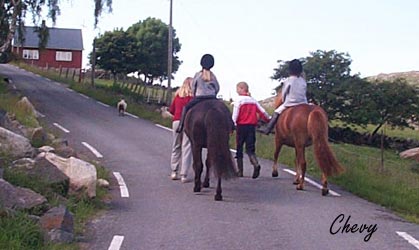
[(218, 148), (319, 130)]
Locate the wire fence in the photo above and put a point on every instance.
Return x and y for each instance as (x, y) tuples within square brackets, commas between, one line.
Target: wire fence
[(137, 88)]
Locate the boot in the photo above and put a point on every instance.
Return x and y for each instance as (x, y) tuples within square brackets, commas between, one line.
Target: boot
[(181, 121), (271, 124), (240, 167), (256, 167)]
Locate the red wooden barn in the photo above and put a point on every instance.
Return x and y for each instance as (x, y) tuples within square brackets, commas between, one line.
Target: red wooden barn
[(64, 48)]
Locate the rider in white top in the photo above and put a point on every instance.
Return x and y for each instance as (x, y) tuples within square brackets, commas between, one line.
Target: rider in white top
[(294, 92)]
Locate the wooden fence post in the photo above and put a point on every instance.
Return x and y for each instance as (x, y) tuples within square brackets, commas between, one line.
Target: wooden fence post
[(74, 74), (80, 75)]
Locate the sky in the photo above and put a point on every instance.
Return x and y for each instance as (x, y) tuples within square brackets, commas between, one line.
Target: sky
[(247, 38)]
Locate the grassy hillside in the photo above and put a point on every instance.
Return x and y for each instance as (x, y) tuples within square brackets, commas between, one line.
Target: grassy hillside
[(411, 77)]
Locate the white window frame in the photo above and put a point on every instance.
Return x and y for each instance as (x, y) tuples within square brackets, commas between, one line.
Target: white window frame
[(64, 56), (30, 54)]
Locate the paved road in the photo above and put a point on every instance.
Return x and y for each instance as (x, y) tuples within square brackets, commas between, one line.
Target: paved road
[(158, 213)]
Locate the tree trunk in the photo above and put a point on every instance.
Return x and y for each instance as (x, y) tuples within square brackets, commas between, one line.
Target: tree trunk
[(376, 129), (12, 28), (374, 132)]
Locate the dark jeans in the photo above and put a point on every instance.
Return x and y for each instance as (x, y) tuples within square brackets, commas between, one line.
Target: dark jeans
[(245, 134)]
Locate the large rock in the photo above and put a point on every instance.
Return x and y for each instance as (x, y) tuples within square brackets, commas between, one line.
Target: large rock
[(14, 145), (38, 136), (18, 198), (25, 105), (58, 225), (411, 153), (46, 174), (82, 174), (8, 121)]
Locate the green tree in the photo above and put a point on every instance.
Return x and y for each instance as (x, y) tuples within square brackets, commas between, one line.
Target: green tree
[(13, 13), (152, 39), (116, 52), (396, 103), (356, 105), (324, 71)]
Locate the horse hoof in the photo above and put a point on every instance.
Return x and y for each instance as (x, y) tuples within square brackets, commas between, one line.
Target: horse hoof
[(296, 182), (325, 191), (218, 197), (275, 173), (206, 185), (197, 189), (299, 187)]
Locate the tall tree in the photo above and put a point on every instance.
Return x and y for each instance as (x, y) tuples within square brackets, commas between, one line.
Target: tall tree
[(13, 13), (152, 39), (116, 52), (396, 103)]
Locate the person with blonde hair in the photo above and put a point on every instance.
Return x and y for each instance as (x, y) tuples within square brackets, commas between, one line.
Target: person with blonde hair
[(246, 112), (181, 158), (204, 86)]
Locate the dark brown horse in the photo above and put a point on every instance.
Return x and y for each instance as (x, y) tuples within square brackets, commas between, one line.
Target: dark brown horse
[(299, 127), (208, 125)]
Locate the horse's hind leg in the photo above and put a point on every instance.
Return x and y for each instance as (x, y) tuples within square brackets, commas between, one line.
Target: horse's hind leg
[(297, 172), (197, 166), (206, 183), (278, 146), (301, 165), (325, 189), (218, 196)]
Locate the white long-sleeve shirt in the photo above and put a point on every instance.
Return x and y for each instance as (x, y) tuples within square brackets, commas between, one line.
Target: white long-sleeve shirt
[(294, 92)]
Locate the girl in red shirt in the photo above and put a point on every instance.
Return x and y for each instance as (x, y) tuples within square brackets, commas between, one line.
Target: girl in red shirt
[(181, 158)]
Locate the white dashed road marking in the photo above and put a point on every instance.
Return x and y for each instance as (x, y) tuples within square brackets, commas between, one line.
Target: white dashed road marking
[(85, 96), (103, 104), (61, 127), (122, 185), (163, 127), (409, 239), (94, 151), (116, 242), (131, 115)]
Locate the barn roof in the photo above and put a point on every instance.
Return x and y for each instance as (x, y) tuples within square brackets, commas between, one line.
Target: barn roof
[(59, 38)]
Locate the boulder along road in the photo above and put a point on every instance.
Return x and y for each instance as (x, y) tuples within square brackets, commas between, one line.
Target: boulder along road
[(150, 211)]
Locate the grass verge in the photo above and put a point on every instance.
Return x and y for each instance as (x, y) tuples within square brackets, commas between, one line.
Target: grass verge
[(19, 230)]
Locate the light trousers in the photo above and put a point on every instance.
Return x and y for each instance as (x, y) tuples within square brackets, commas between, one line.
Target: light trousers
[(181, 160)]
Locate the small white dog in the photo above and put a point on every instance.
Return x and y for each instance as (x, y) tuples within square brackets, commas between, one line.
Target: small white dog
[(122, 107)]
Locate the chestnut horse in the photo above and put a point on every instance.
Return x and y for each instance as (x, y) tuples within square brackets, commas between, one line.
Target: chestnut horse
[(208, 124), (299, 127)]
